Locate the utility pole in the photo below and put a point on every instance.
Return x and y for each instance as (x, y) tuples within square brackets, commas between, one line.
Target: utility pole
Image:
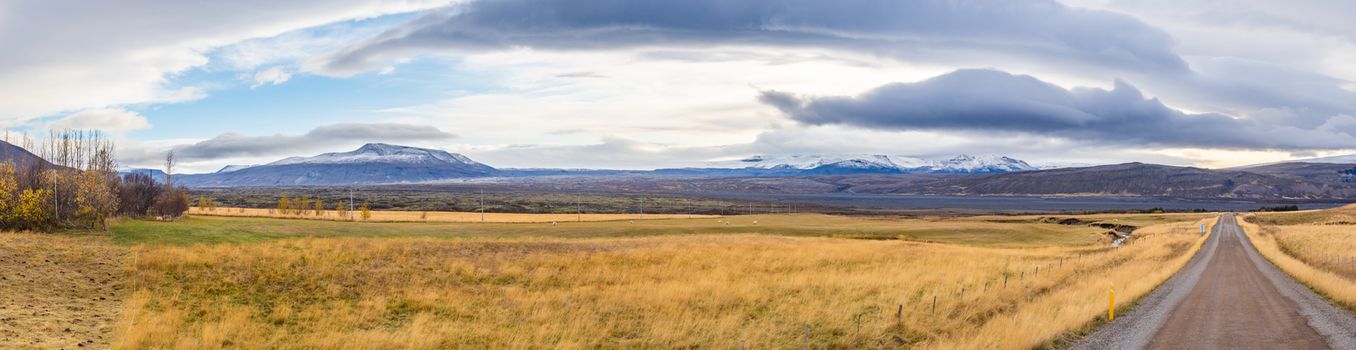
[(578, 208), (482, 205), (350, 202)]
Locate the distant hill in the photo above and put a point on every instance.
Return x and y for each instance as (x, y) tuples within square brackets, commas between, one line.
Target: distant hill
[(1138, 179), (374, 163), (1342, 159), (1326, 182), (20, 157)]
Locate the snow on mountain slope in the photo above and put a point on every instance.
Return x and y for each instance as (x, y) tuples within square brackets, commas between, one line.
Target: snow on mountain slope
[(1342, 159), (882, 163), (981, 164), (374, 163), (383, 153), (807, 162), (233, 167)]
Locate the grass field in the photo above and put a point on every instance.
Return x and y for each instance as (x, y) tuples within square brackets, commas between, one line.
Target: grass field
[(436, 216), (759, 282), (208, 229), (1317, 247), (59, 292)]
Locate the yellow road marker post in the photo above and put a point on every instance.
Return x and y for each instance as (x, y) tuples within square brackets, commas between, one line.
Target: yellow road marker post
[(1111, 306)]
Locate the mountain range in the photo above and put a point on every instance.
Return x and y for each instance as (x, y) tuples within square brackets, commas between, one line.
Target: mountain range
[(379, 163), (858, 164), (1324, 178)]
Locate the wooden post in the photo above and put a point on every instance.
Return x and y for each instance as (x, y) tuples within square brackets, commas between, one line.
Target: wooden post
[(899, 315), (807, 336), (934, 305)]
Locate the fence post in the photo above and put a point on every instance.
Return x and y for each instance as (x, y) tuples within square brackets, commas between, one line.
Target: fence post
[(807, 336), (934, 306), (899, 315)]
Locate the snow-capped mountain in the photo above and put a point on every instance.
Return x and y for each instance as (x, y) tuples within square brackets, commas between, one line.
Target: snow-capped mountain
[(967, 164), (808, 162), (374, 163), (384, 153), (848, 164)]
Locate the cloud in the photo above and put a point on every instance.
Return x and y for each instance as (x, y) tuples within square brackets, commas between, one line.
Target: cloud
[(106, 119), (60, 58), (610, 153), (998, 102), (937, 29), (271, 76), (326, 137)]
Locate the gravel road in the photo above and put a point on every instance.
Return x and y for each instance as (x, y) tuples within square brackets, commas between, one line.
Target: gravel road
[(1229, 297)]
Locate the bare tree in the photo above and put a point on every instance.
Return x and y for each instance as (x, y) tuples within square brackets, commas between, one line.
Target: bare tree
[(169, 170)]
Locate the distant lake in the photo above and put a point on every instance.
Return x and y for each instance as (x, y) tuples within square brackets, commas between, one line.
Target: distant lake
[(1024, 203)]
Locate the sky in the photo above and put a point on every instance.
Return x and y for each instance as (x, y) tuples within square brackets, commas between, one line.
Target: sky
[(667, 83)]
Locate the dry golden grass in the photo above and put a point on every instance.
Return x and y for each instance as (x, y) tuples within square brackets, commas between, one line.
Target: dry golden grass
[(1320, 255), (438, 216), (1344, 215), (1125, 219), (59, 291), (687, 291)]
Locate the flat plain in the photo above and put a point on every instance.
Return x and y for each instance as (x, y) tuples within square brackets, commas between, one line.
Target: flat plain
[(758, 281)]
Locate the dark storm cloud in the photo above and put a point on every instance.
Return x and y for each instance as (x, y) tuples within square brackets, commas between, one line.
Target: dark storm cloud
[(325, 137), (905, 29), (995, 101)]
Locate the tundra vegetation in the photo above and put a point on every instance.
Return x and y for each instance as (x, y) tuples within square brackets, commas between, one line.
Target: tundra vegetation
[(1316, 247)]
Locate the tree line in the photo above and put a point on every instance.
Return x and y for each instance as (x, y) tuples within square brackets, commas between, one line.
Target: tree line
[(74, 183), (306, 205)]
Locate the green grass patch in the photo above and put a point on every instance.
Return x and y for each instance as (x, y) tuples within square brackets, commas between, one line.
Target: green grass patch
[(214, 230)]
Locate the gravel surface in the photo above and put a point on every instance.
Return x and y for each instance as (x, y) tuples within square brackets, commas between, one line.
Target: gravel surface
[(1229, 296)]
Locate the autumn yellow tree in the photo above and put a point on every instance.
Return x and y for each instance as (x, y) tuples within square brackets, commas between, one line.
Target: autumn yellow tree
[(364, 212), (284, 204), (9, 190), (342, 211), (94, 198), (31, 213), (319, 206)]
